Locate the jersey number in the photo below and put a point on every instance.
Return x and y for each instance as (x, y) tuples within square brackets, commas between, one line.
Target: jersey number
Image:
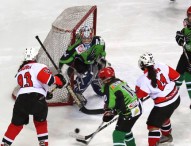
[(129, 90), (27, 77), (162, 82)]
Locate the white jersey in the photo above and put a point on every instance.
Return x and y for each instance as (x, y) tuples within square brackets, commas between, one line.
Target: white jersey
[(33, 77), (166, 92)]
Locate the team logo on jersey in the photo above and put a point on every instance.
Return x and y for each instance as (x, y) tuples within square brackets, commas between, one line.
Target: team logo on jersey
[(80, 49), (133, 104), (46, 70)]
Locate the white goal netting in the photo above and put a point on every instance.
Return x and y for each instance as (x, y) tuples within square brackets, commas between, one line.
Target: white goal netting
[(62, 34)]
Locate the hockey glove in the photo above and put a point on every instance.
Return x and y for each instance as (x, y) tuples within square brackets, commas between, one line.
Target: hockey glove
[(59, 80), (180, 38), (49, 96), (102, 63), (108, 115)]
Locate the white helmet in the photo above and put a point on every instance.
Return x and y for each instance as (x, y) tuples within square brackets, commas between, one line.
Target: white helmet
[(30, 54), (145, 60)]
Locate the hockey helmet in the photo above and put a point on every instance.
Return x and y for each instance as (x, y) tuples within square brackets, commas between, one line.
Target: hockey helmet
[(106, 73), (86, 34), (145, 60), (30, 54), (189, 11)]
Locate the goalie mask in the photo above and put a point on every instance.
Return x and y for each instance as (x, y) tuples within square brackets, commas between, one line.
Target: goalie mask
[(146, 60), (106, 73), (86, 34), (30, 54)]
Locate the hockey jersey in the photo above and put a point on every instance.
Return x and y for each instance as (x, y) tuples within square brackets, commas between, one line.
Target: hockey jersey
[(166, 92), (34, 77)]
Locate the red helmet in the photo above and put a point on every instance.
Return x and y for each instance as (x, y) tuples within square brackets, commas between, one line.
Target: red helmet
[(106, 73), (189, 11)]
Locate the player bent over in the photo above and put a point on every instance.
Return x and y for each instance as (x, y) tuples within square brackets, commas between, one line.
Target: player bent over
[(120, 100), (158, 83), (33, 79), (84, 59)]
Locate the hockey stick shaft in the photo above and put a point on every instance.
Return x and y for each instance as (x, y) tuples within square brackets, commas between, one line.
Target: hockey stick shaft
[(69, 88), (187, 58), (56, 67), (95, 133), (101, 128), (84, 138)]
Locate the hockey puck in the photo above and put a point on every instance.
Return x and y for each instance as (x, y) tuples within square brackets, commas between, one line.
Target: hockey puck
[(77, 130)]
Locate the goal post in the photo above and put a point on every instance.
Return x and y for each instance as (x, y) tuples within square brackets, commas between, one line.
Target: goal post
[(63, 34)]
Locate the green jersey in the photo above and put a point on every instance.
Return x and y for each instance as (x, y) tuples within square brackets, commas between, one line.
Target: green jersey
[(121, 97), (187, 33), (87, 54)]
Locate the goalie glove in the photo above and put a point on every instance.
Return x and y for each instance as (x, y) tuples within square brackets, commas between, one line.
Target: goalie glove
[(109, 114), (180, 38)]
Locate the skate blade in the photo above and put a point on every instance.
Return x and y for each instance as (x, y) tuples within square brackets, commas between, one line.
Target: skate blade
[(166, 144)]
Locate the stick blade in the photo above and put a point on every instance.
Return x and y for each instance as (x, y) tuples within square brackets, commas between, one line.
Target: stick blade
[(82, 141), (77, 136)]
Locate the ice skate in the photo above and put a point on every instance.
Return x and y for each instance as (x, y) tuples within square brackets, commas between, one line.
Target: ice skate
[(5, 144), (42, 143), (165, 139)]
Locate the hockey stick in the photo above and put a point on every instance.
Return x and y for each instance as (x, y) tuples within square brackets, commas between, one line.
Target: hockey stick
[(187, 58), (69, 88), (84, 139)]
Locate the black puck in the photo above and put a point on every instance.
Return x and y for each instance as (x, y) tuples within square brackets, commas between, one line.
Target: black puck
[(77, 130)]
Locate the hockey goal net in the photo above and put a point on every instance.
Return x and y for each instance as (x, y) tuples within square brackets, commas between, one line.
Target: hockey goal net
[(62, 34)]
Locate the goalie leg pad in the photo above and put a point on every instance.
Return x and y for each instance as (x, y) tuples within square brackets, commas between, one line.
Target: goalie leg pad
[(83, 82), (96, 87)]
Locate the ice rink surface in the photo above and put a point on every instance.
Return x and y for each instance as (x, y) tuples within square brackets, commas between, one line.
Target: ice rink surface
[(129, 28)]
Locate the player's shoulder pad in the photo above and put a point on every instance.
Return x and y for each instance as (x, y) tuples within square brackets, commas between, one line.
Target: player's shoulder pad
[(39, 66), (141, 79), (98, 40), (162, 65)]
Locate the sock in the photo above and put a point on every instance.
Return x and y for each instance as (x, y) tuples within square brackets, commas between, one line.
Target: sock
[(180, 81), (11, 133), (166, 128), (118, 138), (129, 139), (42, 131), (187, 77), (154, 137)]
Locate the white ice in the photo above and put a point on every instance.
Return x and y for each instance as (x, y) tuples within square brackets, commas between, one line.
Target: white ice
[(129, 28)]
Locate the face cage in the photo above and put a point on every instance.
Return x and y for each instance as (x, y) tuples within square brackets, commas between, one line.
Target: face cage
[(87, 36), (103, 80)]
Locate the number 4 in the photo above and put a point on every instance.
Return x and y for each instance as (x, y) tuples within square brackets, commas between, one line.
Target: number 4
[(162, 82)]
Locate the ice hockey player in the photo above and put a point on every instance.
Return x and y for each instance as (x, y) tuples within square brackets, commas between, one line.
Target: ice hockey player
[(85, 58), (158, 83), (120, 99), (33, 79), (183, 38)]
